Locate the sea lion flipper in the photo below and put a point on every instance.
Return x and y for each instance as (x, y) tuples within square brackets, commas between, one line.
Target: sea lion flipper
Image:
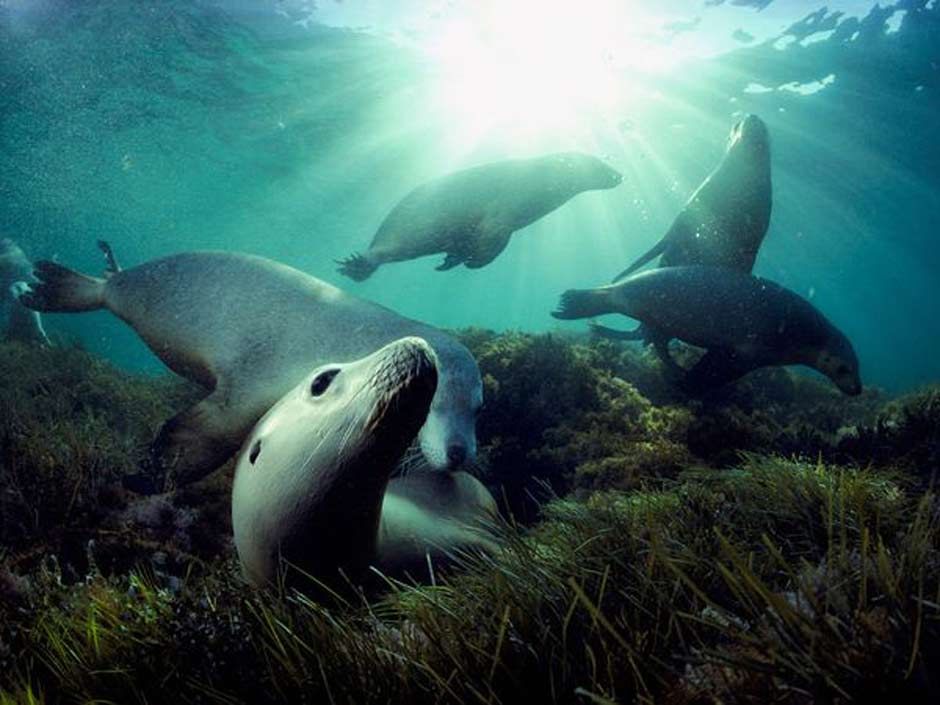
[(190, 445), (493, 240), (450, 261), (357, 267), (651, 254), (61, 290), (111, 263), (718, 367)]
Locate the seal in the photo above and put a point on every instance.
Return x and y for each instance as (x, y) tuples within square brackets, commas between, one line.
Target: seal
[(470, 215), (724, 222), (744, 322), (247, 329), (16, 271), (312, 498)]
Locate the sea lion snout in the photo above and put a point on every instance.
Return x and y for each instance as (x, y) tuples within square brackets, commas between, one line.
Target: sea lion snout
[(405, 376), (751, 131)]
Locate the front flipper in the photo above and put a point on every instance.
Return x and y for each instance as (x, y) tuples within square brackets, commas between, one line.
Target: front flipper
[(673, 371), (188, 447), (492, 241), (450, 261), (651, 254), (718, 367)]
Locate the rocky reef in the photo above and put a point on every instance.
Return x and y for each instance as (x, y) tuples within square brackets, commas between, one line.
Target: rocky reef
[(774, 542)]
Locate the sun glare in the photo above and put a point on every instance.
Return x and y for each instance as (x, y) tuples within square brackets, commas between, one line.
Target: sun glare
[(533, 66)]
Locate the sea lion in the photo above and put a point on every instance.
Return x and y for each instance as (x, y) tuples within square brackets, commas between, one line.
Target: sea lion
[(744, 322), (247, 329), (470, 214), (312, 480), (15, 272), (724, 222)]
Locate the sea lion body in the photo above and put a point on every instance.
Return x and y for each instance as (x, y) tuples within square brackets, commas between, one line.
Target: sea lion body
[(470, 214), (312, 496), (745, 322), (248, 329), (15, 272), (723, 224), (725, 220)]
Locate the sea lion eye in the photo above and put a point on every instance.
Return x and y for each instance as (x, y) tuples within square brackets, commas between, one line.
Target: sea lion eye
[(254, 452), (322, 382)]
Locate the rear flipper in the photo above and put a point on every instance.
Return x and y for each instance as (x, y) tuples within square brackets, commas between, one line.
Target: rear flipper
[(599, 331), (111, 263), (583, 303), (357, 267), (62, 290), (188, 447), (717, 368)]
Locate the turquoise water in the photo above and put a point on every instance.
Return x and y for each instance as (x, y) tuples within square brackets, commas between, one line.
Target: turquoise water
[(287, 131)]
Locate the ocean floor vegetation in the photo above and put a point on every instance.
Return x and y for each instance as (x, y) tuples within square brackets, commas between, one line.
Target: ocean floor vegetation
[(775, 542)]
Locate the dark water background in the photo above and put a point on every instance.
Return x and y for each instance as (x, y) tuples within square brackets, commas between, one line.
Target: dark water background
[(169, 126)]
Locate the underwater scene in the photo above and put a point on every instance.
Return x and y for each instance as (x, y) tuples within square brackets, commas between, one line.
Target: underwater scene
[(469, 351)]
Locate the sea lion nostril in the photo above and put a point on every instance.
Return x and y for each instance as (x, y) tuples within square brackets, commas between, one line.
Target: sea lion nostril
[(456, 454)]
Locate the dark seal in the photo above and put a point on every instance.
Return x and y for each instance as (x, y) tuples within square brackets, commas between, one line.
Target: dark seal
[(743, 322)]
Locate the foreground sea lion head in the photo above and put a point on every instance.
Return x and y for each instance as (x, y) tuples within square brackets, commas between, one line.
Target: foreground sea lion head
[(310, 478), (448, 438)]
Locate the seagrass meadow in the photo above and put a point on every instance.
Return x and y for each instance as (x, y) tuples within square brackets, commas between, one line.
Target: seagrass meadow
[(671, 431), (648, 559)]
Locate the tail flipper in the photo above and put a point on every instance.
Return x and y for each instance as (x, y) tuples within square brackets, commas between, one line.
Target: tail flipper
[(357, 267), (599, 331), (653, 253), (582, 303), (60, 289), (111, 263)]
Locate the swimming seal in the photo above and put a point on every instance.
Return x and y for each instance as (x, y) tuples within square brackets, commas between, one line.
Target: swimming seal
[(247, 329), (16, 271), (470, 215), (744, 322), (312, 496), (724, 222)]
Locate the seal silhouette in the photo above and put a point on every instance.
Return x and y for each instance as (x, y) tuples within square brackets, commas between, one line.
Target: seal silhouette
[(247, 329), (16, 272), (312, 496), (470, 214), (744, 322), (724, 222)]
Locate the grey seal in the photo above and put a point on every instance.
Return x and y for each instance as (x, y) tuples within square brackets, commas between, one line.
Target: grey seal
[(470, 214), (247, 329), (16, 272), (724, 222), (312, 496), (744, 322)]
